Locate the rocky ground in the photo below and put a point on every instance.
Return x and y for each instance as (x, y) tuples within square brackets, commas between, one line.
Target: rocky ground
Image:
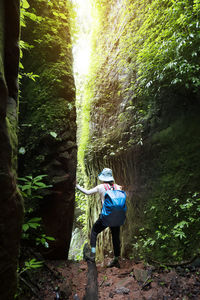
[(133, 281)]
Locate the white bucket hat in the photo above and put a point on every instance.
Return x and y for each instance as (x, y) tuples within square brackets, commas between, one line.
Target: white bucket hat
[(106, 175)]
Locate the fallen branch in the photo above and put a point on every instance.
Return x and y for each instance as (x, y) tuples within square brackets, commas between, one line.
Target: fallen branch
[(92, 283), (102, 283), (146, 283), (125, 274), (29, 286), (176, 264), (56, 274), (31, 281)]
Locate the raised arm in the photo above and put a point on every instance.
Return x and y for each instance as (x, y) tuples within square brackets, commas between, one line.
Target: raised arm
[(87, 192)]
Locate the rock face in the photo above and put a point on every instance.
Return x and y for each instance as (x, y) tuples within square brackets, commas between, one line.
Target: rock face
[(48, 119), (11, 210), (148, 136)]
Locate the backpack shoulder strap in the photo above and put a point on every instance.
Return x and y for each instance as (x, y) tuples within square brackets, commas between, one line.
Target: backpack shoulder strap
[(106, 186)]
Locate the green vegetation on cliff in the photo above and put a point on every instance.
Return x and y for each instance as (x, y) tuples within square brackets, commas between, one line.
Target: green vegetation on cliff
[(47, 102), (140, 50), (144, 120), (48, 115)]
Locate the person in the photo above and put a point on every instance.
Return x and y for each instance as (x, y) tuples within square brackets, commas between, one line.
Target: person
[(107, 179)]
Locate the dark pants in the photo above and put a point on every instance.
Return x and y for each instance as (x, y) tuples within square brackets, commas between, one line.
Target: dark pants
[(99, 227)]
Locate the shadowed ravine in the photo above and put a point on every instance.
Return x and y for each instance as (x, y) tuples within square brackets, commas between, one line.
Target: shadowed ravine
[(135, 109)]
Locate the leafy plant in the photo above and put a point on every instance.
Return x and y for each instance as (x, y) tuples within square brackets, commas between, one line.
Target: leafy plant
[(31, 185), (24, 14), (40, 238), (32, 228), (30, 264), (43, 240), (176, 235), (33, 223)]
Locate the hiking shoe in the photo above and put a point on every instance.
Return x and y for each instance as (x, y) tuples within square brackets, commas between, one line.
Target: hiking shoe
[(87, 254), (113, 263)]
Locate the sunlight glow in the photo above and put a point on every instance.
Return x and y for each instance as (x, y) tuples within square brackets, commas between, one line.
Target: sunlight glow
[(81, 49)]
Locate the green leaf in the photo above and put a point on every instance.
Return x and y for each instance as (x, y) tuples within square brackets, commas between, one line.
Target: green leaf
[(50, 238), (22, 150), (21, 66), (25, 4), (22, 179), (40, 184), (43, 241), (39, 177), (26, 187), (63, 16), (53, 134), (34, 225), (35, 220), (25, 227)]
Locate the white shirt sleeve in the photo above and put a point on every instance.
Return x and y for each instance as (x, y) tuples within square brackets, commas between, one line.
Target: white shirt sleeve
[(87, 192)]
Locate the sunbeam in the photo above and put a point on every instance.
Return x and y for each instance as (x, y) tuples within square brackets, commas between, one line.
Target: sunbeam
[(81, 49)]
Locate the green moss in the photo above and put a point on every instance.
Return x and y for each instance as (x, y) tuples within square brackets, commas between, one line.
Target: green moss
[(174, 173)]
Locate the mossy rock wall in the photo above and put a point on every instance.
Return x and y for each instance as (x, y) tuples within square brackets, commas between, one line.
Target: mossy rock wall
[(11, 210), (147, 133), (48, 119)]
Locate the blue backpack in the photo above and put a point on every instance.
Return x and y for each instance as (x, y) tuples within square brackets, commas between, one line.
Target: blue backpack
[(114, 207)]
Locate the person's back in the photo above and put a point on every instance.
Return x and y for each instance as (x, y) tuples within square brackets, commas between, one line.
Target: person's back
[(104, 187)]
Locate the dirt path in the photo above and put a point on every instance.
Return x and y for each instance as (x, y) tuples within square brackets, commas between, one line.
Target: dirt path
[(130, 282)]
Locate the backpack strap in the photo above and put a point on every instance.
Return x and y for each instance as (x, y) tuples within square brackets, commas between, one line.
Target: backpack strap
[(106, 186)]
